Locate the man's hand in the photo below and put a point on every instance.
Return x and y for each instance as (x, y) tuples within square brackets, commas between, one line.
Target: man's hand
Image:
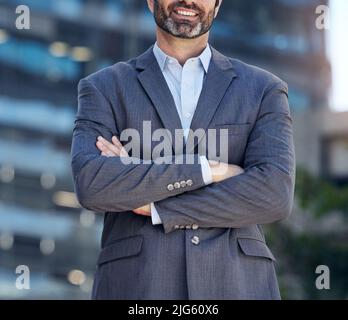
[(115, 149), (222, 171), (143, 211)]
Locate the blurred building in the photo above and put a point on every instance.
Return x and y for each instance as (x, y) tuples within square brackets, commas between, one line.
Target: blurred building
[(322, 144), (41, 223)]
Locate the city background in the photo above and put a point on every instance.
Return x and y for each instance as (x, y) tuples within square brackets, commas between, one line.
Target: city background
[(41, 223)]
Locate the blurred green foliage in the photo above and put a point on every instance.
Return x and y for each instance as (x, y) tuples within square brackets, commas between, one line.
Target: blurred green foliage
[(319, 195), (300, 253)]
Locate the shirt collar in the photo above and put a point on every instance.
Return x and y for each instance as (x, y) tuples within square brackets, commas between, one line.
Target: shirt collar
[(162, 57)]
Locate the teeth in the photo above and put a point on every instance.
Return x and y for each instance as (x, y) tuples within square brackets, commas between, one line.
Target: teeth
[(186, 13)]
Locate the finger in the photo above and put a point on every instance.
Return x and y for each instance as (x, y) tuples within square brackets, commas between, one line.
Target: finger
[(114, 149), (105, 150), (100, 146), (142, 213), (110, 146), (117, 143), (124, 153)]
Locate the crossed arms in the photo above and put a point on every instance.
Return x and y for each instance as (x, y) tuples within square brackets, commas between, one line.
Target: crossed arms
[(262, 193)]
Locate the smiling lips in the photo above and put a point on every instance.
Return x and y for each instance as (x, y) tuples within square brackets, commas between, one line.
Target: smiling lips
[(185, 12)]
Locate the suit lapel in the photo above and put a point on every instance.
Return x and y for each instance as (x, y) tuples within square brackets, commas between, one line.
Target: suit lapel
[(155, 85), (218, 79)]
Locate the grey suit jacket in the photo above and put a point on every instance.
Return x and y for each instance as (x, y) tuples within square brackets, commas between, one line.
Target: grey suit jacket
[(228, 257)]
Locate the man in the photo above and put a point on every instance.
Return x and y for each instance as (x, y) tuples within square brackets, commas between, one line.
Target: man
[(190, 230)]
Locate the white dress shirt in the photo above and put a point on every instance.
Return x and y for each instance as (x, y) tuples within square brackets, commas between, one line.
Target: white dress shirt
[(185, 84)]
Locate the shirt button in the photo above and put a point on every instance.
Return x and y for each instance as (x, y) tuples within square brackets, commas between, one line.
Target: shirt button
[(188, 115), (177, 185), (195, 226), (170, 187), (195, 240), (189, 183)]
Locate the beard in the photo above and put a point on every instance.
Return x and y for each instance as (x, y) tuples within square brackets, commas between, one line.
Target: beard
[(184, 29)]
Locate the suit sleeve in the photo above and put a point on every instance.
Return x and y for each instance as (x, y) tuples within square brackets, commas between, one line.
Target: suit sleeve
[(108, 184), (263, 194)]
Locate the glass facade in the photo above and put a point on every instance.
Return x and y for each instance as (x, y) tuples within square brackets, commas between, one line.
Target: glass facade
[(41, 223)]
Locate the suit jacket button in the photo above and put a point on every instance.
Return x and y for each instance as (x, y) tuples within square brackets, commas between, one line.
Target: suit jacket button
[(195, 226), (195, 240), (170, 187), (182, 227), (188, 227), (189, 183), (183, 184), (177, 185), (176, 227)]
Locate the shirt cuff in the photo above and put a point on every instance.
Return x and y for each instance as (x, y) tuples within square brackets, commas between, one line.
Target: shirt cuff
[(206, 171), (156, 219)]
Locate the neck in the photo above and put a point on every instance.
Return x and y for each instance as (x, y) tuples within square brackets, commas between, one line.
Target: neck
[(181, 49)]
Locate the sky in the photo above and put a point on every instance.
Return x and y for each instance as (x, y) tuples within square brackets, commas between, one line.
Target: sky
[(338, 53)]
